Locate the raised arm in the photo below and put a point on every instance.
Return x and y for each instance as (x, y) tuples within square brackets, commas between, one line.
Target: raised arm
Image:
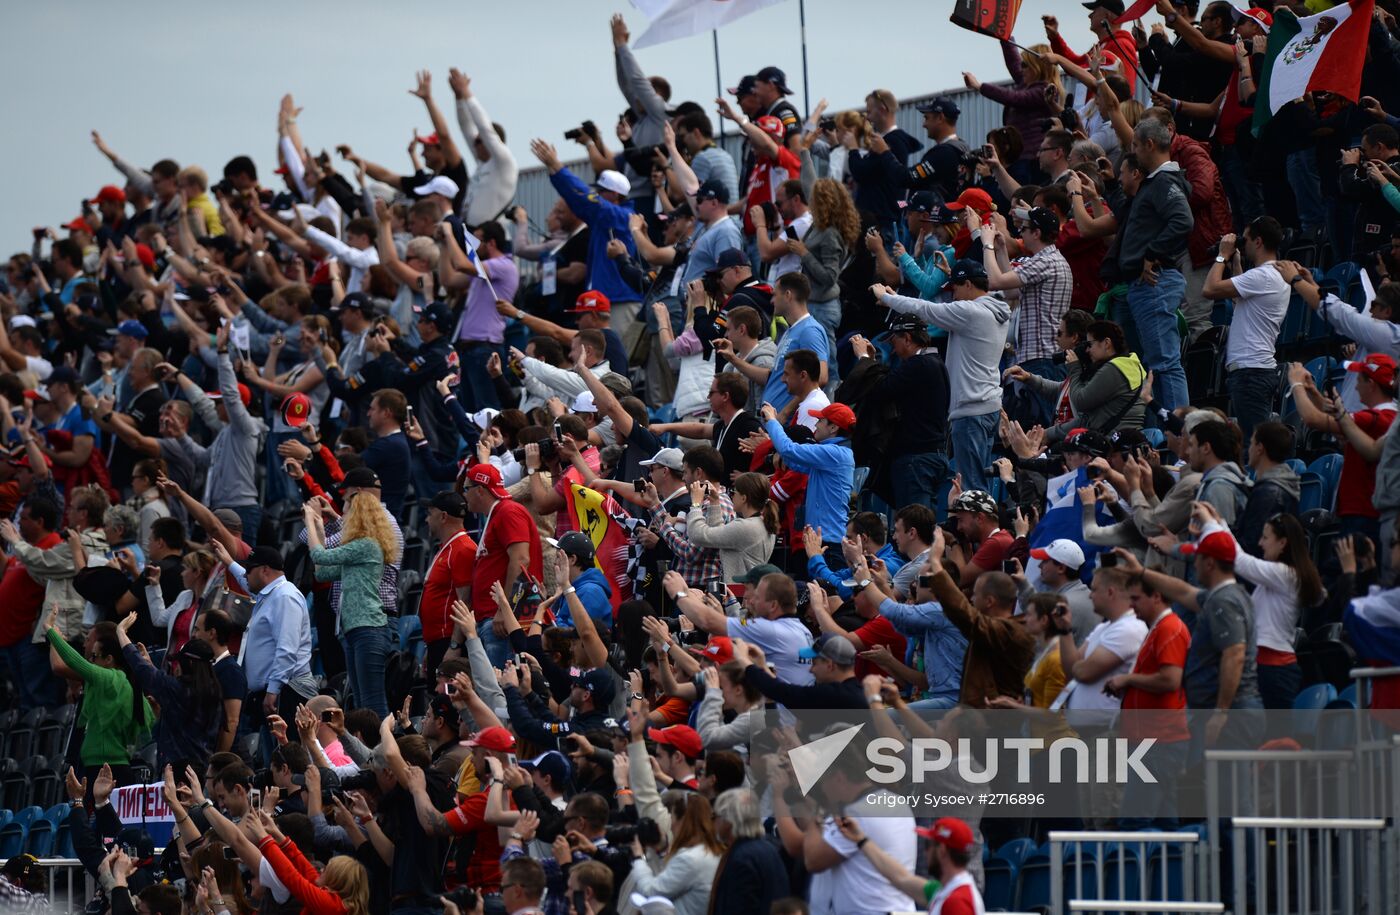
[(424, 91)]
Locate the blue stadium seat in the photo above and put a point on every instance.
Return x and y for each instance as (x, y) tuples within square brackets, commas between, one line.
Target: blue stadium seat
[(1088, 885), (1155, 437), (1033, 881), (1132, 862), (1351, 694), (62, 841), (1000, 882), (1295, 322), (1298, 466), (6, 816), (1310, 702), (1312, 493), (39, 841), (1329, 468), (14, 833)]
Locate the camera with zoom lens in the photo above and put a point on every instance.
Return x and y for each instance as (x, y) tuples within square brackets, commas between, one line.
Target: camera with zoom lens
[(1081, 352), (548, 451)]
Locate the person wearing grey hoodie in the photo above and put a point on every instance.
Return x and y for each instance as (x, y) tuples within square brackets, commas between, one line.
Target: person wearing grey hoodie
[(645, 98), (1211, 450), (1152, 244), (976, 322), (1276, 485)]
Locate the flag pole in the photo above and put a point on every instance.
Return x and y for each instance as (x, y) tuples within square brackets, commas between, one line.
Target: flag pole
[(802, 27), (719, 84)]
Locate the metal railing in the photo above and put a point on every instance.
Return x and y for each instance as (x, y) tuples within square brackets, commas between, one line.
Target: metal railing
[(1243, 783), (1185, 849), (1095, 905), (1291, 850)]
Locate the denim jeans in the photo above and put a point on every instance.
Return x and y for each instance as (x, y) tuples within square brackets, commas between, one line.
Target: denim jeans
[(476, 390), (251, 516), (27, 664), (497, 647), (1307, 188), (1154, 312), (1251, 397), (1045, 368), (1279, 684), (917, 477), (972, 448), (366, 651)]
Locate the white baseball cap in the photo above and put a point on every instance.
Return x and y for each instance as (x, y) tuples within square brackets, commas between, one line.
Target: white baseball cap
[(1066, 552), (583, 403), (613, 181), (482, 418), (23, 321), (439, 185)]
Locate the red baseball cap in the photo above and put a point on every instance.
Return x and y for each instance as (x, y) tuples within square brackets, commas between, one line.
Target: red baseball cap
[(78, 225), (23, 461), (497, 739), (683, 737), (836, 413), (1378, 367), (296, 409), (430, 139), (951, 833), (591, 301), (973, 197), (1219, 545), (281, 170), (720, 649), (1261, 16), (245, 394), (110, 193), (487, 475), (146, 256), (771, 125)]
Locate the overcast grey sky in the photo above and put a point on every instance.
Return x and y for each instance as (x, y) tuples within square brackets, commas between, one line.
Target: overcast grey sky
[(200, 82)]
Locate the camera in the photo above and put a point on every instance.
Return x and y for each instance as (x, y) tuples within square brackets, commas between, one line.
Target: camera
[(717, 588), (827, 124), (547, 451), (1081, 352), (569, 744), (645, 831), (225, 187), (926, 582), (587, 127), (1108, 560), (639, 485), (641, 158)]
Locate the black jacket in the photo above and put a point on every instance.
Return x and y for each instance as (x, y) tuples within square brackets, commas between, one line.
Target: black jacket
[(749, 877), (1158, 223)]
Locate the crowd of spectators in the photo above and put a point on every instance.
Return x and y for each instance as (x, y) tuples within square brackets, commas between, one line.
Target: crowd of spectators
[(437, 560)]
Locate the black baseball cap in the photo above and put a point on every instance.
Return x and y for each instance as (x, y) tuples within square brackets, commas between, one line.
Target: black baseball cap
[(360, 478), (64, 374), (775, 76), (744, 88), (923, 202), (713, 190), (268, 556), (944, 106), (942, 216), (1113, 6), (357, 300), (966, 269), (904, 324), (1086, 441), (677, 212), (576, 544), (436, 312), (732, 257), (1044, 221), (450, 503)]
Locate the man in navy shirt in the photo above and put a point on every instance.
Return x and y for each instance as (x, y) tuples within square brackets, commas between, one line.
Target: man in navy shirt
[(389, 455)]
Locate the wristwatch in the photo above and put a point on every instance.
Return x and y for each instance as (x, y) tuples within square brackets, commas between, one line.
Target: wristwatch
[(680, 595), (1297, 277), (570, 590), (455, 646), (863, 584), (1219, 258)]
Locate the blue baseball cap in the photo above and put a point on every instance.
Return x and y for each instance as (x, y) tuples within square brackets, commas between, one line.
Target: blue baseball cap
[(944, 106), (438, 313), (967, 269), (131, 328)]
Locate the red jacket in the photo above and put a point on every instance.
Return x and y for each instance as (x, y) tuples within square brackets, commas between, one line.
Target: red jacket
[(1209, 206), (1121, 45), (298, 876)]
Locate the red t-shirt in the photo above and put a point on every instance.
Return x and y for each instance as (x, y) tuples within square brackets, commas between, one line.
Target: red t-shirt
[(1084, 255), (767, 174), (879, 631), (483, 872), (1358, 482), (21, 597), (451, 569), (509, 523), (993, 551), (1166, 645)]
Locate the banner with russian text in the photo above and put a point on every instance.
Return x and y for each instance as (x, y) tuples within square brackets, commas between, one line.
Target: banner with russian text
[(145, 806)]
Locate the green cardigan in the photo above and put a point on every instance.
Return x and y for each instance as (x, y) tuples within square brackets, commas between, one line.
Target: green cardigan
[(358, 566), (109, 729)]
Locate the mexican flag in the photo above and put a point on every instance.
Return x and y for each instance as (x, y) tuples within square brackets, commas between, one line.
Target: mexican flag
[(1321, 52)]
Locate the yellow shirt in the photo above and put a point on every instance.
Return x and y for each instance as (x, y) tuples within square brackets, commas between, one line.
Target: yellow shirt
[(207, 208), (1044, 681)]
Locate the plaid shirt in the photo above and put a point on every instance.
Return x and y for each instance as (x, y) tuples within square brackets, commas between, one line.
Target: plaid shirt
[(14, 898), (388, 585), (695, 564), (1046, 285)]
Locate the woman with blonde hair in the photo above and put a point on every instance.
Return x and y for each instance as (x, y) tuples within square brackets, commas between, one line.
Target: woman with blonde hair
[(823, 250), (1036, 94), (746, 541), (688, 869), (342, 888), (367, 543), (852, 132), (179, 616)]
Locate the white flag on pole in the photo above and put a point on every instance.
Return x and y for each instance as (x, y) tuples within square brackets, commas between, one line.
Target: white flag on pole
[(672, 19)]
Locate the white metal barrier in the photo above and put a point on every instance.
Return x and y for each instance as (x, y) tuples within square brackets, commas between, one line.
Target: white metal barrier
[(70, 885), (1094, 905), (1287, 851), (1251, 783), (1187, 845)]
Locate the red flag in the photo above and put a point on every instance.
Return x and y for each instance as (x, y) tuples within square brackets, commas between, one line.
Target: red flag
[(1136, 11), (593, 513), (996, 18)]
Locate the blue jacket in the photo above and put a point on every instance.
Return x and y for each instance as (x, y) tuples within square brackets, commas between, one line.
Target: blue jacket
[(605, 221), (819, 571), (829, 466), (594, 592), (391, 458), (944, 645)]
